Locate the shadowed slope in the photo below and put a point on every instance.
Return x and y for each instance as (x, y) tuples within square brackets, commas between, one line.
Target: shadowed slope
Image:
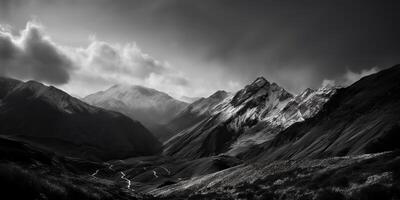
[(49, 116)]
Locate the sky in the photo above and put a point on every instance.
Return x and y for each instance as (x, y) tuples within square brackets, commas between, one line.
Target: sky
[(194, 48)]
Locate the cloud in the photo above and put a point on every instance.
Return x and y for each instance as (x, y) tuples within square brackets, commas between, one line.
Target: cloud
[(125, 59), (328, 83), (106, 64), (349, 77), (83, 70), (32, 55), (248, 39)]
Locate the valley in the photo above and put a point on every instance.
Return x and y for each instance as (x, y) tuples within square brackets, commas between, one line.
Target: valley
[(259, 143)]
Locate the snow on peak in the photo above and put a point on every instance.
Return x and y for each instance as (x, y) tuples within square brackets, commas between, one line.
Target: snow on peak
[(255, 114), (260, 81), (137, 101)]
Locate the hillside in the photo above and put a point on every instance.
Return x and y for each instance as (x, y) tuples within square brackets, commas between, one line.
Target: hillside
[(50, 117)]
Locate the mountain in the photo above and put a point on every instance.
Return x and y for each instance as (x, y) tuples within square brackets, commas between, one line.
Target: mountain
[(335, 143), (252, 116), (50, 117), (189, 99), (197, 111), (149, 106), (330, 143), (362, 118)]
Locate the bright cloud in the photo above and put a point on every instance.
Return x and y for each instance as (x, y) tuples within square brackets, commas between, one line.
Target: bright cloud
[(32, 55), (80, 71), (350, 77)]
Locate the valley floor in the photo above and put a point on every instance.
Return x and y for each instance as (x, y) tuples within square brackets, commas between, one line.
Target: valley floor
[(368, 176), (45, 175)]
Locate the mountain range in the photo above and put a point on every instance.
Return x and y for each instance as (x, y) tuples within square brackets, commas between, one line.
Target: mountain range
[(253, 115), (362, 118), (330, 143), (261, 142)]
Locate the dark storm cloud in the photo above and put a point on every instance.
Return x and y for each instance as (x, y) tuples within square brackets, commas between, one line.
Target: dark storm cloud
[(328, 37), (297, 44), (252, 38), (32, 56)]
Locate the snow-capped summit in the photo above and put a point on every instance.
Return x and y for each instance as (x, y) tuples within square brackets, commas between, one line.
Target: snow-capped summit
[(153, 104), (260, 81), (259, 88), (253, 115), (149, 106)]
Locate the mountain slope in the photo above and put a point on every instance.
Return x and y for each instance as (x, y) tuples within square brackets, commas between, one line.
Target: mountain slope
[(50, 117), (151, 107), (369, 176), (30, 172), (197, 111), (362, 118), (253, 115)]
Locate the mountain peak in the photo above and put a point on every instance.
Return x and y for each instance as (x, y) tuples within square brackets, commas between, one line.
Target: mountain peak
[(260, 87), (219, 94), (260, 81), (137, 91), (147, 105)]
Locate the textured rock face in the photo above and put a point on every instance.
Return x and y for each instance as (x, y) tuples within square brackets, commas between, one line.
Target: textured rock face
[(252, 116), (50, 117), (151, 107), (345, 146), (362, 118)]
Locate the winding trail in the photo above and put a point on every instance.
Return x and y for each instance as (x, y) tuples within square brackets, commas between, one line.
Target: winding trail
[(95, 173), (155, 173), (127, 180), (123, 175)]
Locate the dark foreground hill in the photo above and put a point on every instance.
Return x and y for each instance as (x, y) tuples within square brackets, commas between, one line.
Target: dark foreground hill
[(28, 172), (50, 117)]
